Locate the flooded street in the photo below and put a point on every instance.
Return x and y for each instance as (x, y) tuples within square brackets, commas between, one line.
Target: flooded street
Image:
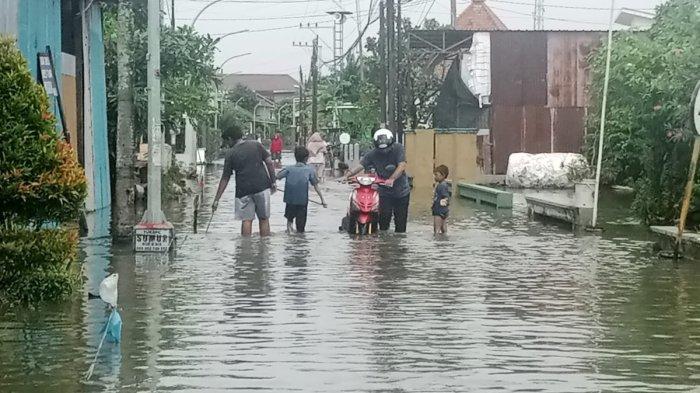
[(500, 303)]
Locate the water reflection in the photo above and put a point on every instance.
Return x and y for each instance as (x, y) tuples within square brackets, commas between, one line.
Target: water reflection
[(500, 303)]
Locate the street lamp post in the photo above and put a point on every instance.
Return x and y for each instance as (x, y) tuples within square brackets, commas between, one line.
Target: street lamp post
[(204, 9), (221, 67), (216, 41), (279, 119), (255, 110)]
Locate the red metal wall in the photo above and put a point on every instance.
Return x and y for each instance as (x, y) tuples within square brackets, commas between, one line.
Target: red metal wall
[(538, 92)]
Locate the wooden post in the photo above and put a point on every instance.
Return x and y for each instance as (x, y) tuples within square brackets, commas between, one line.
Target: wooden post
[(688, 194)]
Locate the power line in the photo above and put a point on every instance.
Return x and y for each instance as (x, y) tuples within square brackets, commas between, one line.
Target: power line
[(550, 18), (261, 30), (262, 18), (264, 1), (571, 7), (426, 14)]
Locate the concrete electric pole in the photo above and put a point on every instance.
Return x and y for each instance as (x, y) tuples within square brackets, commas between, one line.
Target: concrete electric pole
[(382, 63), (538, 15), (453, 14), (154, 233), (314, 86)]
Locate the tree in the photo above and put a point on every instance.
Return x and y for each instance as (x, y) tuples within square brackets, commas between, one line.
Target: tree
[(647, 136), (188, 74), (124, 213), (420, 86), (243, 97)]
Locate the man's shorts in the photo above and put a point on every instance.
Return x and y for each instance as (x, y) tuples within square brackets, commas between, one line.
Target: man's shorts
[(249, 206)]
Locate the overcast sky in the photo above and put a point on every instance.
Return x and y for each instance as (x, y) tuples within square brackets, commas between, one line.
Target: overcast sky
[(274, 24)]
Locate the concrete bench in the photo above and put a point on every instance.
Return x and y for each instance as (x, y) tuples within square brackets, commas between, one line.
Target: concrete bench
[(560, 211), (482, 194)]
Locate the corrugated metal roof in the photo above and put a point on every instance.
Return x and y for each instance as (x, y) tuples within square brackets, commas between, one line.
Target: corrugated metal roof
[(261, 82)]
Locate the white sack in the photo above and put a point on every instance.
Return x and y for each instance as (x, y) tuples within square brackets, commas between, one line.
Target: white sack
[(547, 170)]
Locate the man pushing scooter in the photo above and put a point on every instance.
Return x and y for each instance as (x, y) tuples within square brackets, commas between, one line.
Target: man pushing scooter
[(388, 158)]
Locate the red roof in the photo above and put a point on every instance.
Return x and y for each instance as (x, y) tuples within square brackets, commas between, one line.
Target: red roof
[(478, 16)]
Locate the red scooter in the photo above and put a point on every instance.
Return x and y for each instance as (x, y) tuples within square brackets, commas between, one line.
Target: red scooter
[(363, 213)]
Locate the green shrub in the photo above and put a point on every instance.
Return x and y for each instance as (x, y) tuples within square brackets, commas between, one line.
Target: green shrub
[(41, 183), (648, 133), (40, 179), (37, 266)]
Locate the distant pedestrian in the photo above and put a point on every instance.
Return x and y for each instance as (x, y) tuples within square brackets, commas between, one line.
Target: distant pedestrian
[(441, 199), (296, 190), (317, 154), (276, 146), (255, 181)]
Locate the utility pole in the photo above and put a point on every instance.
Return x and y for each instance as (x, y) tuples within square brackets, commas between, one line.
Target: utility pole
[(538, 15), (124, 212), (154, 233), (453, 14), (300, 121), (339, 21), (172, 14), (382, 63), (399, 72), (360, 60), (391, 69), (314, 86)]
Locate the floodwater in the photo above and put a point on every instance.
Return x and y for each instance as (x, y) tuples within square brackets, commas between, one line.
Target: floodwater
[(501, 303)]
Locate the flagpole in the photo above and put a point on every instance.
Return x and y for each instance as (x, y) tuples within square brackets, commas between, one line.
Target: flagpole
[(601, 134)]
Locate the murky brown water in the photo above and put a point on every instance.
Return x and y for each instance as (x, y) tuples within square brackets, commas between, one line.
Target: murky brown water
[(501, 303)]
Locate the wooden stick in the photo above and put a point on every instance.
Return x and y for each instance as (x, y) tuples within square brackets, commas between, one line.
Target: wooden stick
[(212, 216), (688, 195)]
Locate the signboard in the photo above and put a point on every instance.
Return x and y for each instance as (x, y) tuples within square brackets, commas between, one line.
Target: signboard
[(695, 107), (152, 240), (47, 76), (344, 138), (48, 79)]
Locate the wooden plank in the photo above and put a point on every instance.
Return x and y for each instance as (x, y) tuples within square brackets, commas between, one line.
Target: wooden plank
[(419, 157)]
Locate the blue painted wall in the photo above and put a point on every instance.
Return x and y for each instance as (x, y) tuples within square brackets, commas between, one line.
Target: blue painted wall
[(98, 87), (39, 25)]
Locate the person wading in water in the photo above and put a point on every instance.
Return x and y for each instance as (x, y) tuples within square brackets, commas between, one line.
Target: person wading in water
[(255, 181), (388, 158)]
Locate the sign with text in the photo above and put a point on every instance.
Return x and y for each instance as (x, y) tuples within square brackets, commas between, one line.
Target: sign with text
[(152, 240), (48, 78)]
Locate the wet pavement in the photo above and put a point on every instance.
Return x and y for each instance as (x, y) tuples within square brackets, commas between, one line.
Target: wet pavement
[(500, 303)]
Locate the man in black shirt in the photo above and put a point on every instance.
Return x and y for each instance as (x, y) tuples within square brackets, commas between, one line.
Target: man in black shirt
[(388, 159), (255, 180)]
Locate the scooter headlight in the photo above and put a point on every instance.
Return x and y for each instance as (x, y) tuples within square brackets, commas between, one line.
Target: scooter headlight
[(365, 180)]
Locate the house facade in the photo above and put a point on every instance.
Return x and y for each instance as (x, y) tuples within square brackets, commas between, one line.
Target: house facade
[(71, 31)]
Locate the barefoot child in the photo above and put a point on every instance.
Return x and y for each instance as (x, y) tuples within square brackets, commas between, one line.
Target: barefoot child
[(441, 200), (296, 189)]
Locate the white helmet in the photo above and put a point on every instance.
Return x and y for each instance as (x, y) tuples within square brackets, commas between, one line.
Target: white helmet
[(383, 138)]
